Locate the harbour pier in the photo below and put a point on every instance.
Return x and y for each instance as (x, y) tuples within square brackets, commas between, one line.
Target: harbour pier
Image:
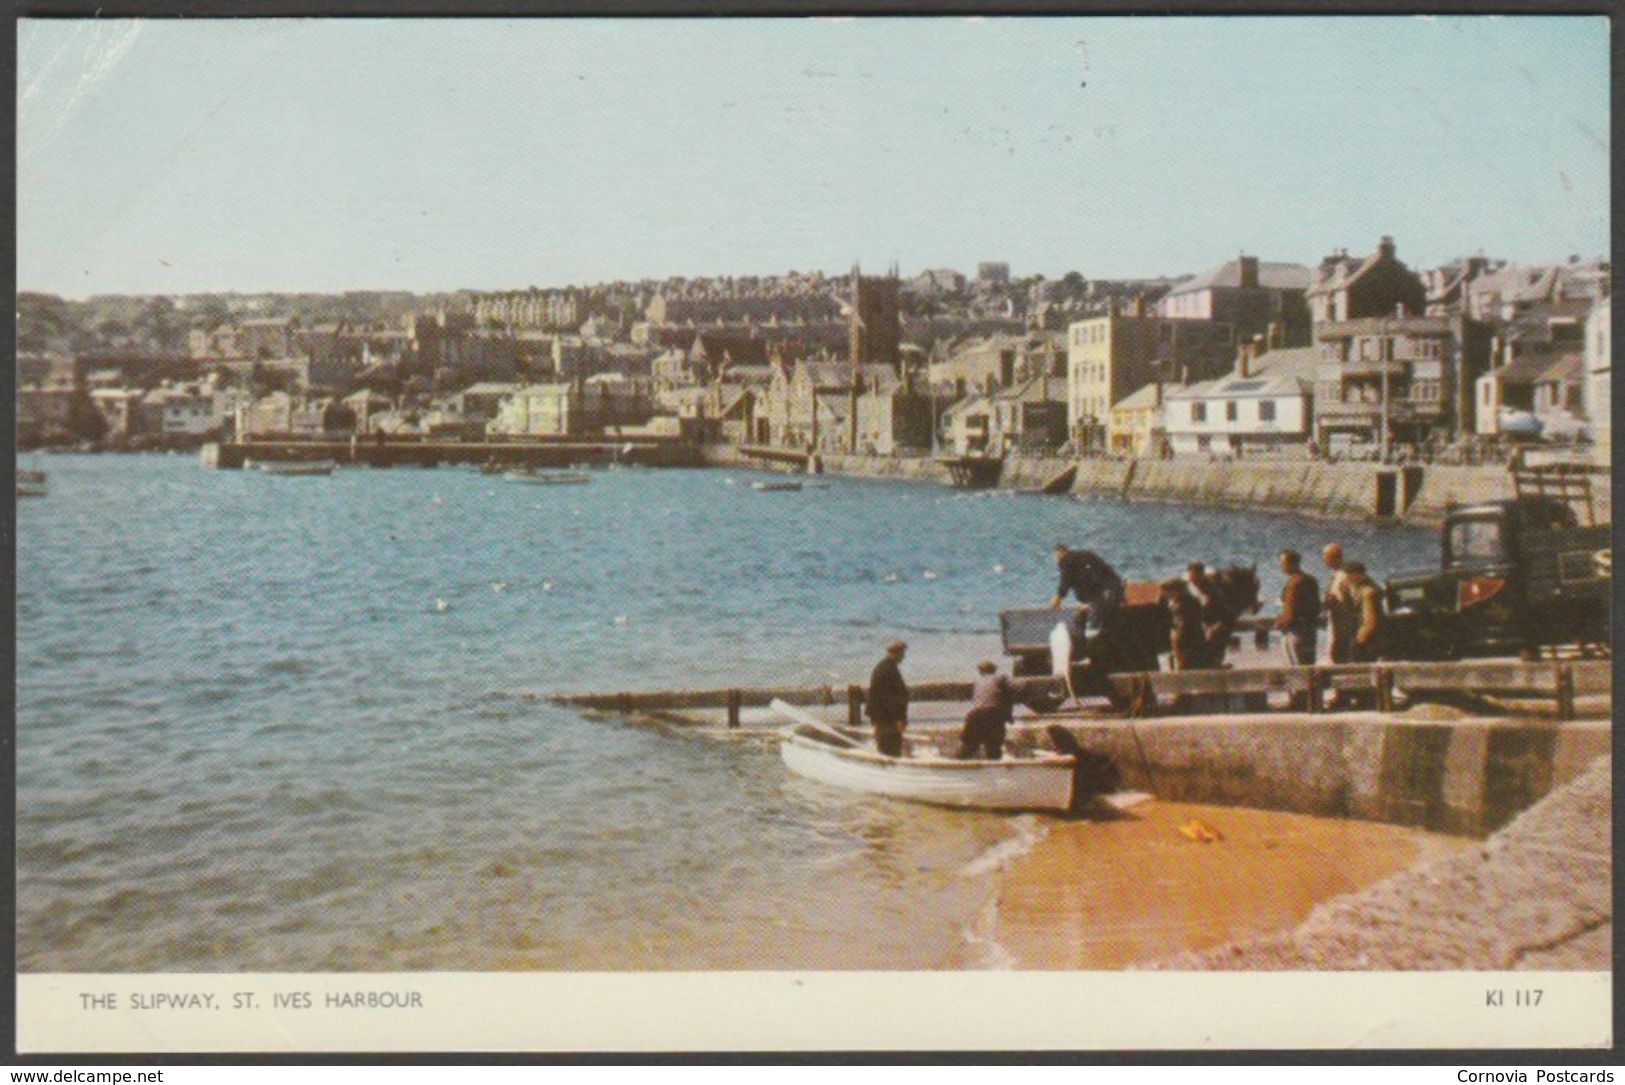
[(406, 452)]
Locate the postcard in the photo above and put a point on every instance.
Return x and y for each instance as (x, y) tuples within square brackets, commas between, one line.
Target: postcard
[(813, 534)]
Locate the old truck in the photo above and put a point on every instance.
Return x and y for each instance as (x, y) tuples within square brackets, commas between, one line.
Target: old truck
[(1516, 576)]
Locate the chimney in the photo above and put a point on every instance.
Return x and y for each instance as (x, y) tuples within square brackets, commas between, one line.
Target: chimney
[(1244, 359), (1275, 336), (1139, 305), (1385, 247), (1249, 272), (1156, 393)]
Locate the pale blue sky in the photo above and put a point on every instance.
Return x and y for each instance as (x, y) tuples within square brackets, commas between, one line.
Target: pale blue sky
[(425, 155)]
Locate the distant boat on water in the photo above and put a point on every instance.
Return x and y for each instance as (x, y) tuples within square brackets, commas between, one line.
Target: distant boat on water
[(553, 478), (31, 484), (297, 468), (775, 487)]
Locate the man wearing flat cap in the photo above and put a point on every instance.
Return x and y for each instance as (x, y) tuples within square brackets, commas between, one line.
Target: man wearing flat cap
[(888, 700)]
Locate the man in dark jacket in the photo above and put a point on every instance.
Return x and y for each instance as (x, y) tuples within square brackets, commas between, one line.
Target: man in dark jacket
[(1091, 581), (1299, 620), (888, 700), (1185, 640)]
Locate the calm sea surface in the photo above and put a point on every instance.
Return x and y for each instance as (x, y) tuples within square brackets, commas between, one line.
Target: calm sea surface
[(290, 723)]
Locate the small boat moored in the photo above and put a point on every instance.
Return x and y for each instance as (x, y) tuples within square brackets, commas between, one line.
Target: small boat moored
[(775, 487), (555, 478), (1043, 781), (31, 484), (297, 468)]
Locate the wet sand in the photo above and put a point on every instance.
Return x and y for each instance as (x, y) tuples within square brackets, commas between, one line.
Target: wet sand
[(1113, 894)]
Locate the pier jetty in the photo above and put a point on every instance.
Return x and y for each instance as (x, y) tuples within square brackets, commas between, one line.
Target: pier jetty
[(408, 452)]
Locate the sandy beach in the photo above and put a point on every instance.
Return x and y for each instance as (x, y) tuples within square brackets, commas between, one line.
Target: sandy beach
[(1114, 894)]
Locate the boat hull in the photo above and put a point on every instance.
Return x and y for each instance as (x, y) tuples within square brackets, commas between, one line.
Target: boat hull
[(546, 478), (1011, 784), (297, 470)]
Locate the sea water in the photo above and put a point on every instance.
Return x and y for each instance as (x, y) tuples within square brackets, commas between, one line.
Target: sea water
[(271, 723)]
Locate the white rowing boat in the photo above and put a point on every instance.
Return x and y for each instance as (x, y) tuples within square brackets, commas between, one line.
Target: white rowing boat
[(819, 752), (776, 487), (555, 478), (31, 484)]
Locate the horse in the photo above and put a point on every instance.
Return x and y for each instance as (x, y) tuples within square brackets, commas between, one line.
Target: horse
[(1236, 592)]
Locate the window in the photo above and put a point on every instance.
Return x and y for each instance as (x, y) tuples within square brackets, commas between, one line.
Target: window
[(1230, 412), (1475, 541), (1266, 410), (1198, 411)]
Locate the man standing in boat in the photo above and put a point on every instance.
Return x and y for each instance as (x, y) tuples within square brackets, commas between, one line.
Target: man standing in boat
[(888, 700), (1092, 582), (992, 701)]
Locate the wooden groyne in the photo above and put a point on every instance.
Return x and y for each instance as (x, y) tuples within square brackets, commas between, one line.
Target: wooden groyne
[(1187, 692), (368, 452)]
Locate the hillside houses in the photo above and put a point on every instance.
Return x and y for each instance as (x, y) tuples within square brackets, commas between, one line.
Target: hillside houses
[(984, 364)]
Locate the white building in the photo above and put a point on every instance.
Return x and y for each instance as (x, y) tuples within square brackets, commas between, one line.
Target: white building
[(185, 411), (1265, 406), (573, 407)]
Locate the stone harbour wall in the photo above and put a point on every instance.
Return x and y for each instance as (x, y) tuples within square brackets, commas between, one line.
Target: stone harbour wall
[(1319, 489)]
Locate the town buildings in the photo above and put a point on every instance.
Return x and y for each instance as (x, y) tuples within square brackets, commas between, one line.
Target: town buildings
[(1027, 416), (1344, 288), (986, 364), (1387, 380), (1110, 356), (1598, 355), (1001, 360), (1252, 296), (590, 407), (1263, 407)]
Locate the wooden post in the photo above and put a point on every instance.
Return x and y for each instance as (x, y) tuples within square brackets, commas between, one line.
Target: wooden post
[(1317, 689), (1382, 680), (1565, 692), (733, 707), (854, 706)]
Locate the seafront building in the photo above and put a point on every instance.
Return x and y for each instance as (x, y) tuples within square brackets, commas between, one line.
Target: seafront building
[(1381, 381), (1028, 417), (1543, 387), (1598, 375), (1263, 408), (573, 408), (1110, 356)]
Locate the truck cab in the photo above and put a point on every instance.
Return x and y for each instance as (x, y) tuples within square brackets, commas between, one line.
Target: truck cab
[(1515, 575)]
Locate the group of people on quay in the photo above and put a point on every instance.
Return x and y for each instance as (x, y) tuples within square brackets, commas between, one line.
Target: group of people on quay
[(1202, 613)]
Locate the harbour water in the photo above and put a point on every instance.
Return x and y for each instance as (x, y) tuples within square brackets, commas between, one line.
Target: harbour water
[(291, 723)]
